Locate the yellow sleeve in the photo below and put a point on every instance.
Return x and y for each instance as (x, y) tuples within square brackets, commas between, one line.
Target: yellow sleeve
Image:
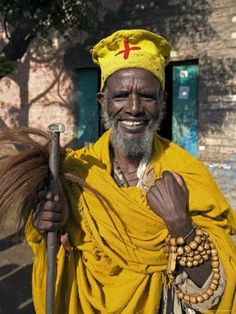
[(33, 237)]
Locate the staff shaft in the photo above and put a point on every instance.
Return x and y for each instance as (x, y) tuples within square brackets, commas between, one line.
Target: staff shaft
[(54, 162)]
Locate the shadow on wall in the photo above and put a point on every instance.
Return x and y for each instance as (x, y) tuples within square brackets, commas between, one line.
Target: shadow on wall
[(18, 115), (215, 93), (173, 19), (15, 290)]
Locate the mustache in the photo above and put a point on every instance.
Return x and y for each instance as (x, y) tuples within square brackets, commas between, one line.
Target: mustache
[(111, 122)]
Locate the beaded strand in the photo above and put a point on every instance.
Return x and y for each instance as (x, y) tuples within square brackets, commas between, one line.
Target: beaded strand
[(199, 250)]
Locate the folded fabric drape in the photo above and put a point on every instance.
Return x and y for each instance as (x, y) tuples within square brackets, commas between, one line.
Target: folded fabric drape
[(118, 264)]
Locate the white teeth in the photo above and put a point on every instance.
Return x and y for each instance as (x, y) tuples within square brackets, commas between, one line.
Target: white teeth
[(132, 123)]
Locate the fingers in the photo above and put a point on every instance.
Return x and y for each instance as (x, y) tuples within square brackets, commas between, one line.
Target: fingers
[(51, 211), (157, 191), (45, 226), (168, 196), (44, 194), (52, 206), (49, 216), (169, 175)]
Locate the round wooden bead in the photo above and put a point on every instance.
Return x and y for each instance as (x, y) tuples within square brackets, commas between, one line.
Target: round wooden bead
[(180, 295), (204, 238), (190, 259), (216, 276), (198, 239), (193, 245), (187, 248), (201, 261), (199, 232), (189, 264), (193, 299), (167, 240), (205, 257), (215, 264), (191, 254), (207, 246), (180, 240), (195, 263), (215, 281), (214, 252), (173, 241), (182, 263), (180, 250), (210, 292), (216, 270), (215, 258), (208, 252), (186, 297), (173, 249), (197, 257), (200, 248), (205, 296), (213, 286), (200, 299)]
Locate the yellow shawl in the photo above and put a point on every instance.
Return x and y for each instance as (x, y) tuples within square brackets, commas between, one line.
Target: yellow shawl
[(118, 264)]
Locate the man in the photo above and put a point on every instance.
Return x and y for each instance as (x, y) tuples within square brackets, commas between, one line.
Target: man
[(133, 189)]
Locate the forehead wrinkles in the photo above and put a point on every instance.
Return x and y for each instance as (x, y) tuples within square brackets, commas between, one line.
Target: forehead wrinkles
[(128, 83)]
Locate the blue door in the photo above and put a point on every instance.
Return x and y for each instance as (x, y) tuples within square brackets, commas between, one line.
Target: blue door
[(86, 111), (185, 107)]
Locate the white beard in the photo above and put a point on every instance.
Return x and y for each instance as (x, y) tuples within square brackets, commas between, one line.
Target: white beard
[(130, 146)]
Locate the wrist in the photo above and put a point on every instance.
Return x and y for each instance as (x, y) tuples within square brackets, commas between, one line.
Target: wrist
[(184, 230)]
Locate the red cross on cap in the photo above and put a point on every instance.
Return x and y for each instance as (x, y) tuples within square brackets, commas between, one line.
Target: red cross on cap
[(127, 49)]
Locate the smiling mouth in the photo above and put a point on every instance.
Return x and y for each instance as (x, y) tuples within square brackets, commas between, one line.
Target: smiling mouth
[(134, 123), (134, 126)]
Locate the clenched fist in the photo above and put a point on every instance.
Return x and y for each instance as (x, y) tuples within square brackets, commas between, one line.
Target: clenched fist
[(51, 212)]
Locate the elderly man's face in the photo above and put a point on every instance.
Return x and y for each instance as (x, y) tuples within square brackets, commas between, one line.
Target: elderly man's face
[(131, 107)]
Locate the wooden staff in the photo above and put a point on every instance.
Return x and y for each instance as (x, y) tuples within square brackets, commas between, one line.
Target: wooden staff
[(54, 163)]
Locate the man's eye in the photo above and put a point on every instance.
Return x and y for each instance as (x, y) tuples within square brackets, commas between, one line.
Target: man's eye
[(147, 96), (121, 95)]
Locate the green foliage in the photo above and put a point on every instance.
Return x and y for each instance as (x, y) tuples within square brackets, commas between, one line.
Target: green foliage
[(64, 16), (6, 66)]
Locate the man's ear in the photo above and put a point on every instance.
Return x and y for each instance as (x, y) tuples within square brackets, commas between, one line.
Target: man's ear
[(101, 99)]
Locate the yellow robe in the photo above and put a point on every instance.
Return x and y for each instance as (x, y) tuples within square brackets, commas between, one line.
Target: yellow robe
[(118, 263)]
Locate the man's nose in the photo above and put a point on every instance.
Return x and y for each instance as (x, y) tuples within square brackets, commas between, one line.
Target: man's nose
[(135, 105)]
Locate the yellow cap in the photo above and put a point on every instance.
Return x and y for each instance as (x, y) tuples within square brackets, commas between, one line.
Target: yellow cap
[(134, 48)]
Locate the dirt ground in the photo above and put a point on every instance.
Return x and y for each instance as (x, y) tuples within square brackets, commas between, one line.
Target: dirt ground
[(15, 271)]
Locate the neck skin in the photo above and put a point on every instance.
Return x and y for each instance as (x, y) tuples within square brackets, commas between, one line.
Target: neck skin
[(128, 164)]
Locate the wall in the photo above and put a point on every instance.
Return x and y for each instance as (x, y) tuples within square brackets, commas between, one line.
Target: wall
[(204, 30), (197, 29), (38, 93)]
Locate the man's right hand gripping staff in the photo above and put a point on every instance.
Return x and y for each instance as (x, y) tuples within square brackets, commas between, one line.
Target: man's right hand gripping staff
[(51, 212)]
